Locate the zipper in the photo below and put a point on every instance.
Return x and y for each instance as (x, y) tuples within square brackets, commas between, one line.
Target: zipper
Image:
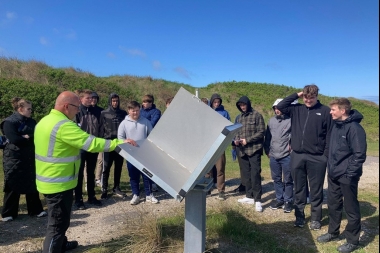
[(304, 127)]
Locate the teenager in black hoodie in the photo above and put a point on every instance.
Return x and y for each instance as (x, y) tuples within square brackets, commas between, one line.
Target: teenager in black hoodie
[(311, 129), (110, 120), (345, 166)]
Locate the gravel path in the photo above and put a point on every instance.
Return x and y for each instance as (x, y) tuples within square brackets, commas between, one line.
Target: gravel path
[(97, 225)]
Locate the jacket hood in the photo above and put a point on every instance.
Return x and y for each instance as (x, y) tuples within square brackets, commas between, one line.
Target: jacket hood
[(215, 96), (94, 94), (244, 99), (354, 116), (113, 95)]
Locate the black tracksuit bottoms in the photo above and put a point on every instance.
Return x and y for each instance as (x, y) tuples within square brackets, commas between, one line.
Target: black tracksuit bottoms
[(312, 169), (109, 159), (343, 192)]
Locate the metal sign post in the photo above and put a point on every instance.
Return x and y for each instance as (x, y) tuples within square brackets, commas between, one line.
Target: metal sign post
[(183, 146)]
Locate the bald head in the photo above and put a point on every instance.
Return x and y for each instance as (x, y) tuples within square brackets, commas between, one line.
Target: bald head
[(68, 103)]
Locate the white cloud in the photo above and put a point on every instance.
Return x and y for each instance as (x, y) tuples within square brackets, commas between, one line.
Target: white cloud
[(183, 72), (157, 65), (133, 52), (111, 55), (11, 15), (44, 41)]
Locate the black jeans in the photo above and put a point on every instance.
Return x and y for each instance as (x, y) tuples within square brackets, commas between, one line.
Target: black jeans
[(250, 167), (344, 192), (90, 159), (109, 158), (313, 168), (59, 211)]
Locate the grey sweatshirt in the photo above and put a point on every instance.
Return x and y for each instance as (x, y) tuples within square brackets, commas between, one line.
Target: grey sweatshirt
[(135, 130), (277, 137)]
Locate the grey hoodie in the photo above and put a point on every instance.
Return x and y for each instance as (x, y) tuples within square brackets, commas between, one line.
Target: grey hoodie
[(277, 137), (135, 130)]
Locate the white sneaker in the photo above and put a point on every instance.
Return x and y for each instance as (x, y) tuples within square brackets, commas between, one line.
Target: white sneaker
[(154, 188), (259, 208), (135, 200), (7, 218), (98, 183), (246, 200), (151, 199), (42, 214)]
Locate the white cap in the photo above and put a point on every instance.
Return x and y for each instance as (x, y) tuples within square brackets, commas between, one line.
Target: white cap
[(278, 100)]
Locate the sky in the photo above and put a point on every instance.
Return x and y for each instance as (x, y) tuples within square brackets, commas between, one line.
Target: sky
[(331, 43)]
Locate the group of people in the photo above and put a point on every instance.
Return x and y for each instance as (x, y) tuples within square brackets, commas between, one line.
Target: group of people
[(301, 140)]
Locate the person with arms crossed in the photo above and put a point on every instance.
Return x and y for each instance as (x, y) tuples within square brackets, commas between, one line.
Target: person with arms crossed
[(347, 154), (58, 142), (311, 129), (249, 145)]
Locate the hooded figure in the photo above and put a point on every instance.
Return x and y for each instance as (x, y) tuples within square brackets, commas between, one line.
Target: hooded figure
[(249, 145), (110, 120), (219, 107)]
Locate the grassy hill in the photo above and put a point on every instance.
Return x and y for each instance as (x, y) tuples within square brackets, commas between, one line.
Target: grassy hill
[(41, 84)]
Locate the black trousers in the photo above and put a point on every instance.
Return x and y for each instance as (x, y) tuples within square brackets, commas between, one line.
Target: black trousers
[(250, 167), (11, 204), (343, 192), (59, 211), (109, 158), (90, 159), (310, 169)]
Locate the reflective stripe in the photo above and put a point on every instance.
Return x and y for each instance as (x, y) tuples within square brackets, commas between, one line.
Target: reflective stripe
[(87, 143), (53, 137), (56, 179), (57, 160), (107, 146)]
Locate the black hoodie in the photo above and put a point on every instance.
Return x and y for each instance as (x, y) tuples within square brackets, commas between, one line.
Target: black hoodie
[(347, 147), (111, 118)]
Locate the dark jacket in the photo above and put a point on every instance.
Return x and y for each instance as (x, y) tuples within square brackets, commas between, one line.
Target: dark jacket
[(152, 114), (18, 156), (252, 131), (311, 127), (110, 119), (89, 119), (220, 108), (347, 147), (277, 137)]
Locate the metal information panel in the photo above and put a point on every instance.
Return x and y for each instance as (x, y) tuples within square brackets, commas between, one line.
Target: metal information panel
[(183, 146)]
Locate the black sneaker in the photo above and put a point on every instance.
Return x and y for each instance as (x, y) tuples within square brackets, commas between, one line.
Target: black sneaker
[(240, 189), (288, 207), (300, 222), (347, 247), (274, 205), (80, 205), (104, 194), (315, 225), (94, 202), (118, 192), (328, 237), (70, 245)]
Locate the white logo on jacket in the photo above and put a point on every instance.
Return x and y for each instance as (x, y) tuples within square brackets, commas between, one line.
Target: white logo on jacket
[(318, 113)]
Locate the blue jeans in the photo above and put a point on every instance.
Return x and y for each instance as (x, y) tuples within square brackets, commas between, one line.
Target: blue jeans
[(282, 178), (134, 179)]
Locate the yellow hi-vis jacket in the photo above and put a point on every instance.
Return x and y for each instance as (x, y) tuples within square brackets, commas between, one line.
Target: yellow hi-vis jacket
[(58, 142)]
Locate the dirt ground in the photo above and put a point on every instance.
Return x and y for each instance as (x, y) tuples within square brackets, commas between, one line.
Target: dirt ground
[(96, 225)]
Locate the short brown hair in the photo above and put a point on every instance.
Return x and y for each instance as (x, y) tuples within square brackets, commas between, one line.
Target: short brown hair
[(342, 103), (148, 98), (169, 100), (19, 103), (84, 92), (310, 90), (132, 105), (205, 100)]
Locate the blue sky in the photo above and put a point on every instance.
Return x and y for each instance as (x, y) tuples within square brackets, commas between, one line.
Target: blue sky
[(332, 43)]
